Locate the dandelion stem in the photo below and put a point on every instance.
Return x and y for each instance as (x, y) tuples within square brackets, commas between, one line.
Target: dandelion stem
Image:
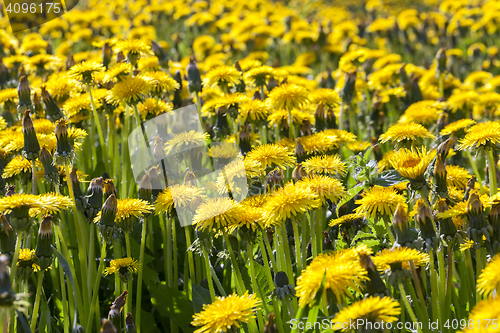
[(95, 290), (298, 254), (419, 290), (389, 231), (255, 285), (138, 303), (209, 273), (36, 306), (436, 313), (286, 249), (492, 172), (270, 251), (13, 268), (407, 305), (187, 231), (166, 232), (99, 129), (33, 171), (130, 285), (475, 169)]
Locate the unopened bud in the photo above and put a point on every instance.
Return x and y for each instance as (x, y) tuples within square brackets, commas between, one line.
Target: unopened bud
[(31, 145), (107, 225), (193, 77), (24, 94), (43, 251), (52, 110), (118, 304), (106, 54)]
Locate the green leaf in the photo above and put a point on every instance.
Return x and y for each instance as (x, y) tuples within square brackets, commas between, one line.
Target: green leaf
[(173, 304), (362, 234), (44, 324), (388, 178), (201, 296), (372, 244), (23, 326), (350, 194)]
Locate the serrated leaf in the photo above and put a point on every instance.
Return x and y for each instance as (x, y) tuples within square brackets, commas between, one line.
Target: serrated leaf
[(362, 234), (350, 194), (372, 243), (388, 178)]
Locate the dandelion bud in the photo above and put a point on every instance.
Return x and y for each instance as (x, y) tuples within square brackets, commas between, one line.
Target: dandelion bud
[(347, 91), (257, 96), (331, 121), (160, 54), (31, 145), (274, 179), (424, 220), (129, 322), (440, 177), (109, 188), (120, 57), (26, 264), (37, 104), (107, 225), (444, 148), (327, 241), (81, 201), (221, 127), (271, 83), (270, 326), (4, 74), (7, 236), (478, 225), (118, 304), (95, 193), (245, 139), (145, 191), (240, 86), (24, 94), (405, 235), (300, 152), (299, 172), (70, 61), (447, 228), (107, 326), (319, 117), (494, 219), (471, 184), (64, 149), (374, 285), (177, 101), (283, 288), (11, 190), (305, 128), (52, 110), (106, 54), (43, 251), (7, 295), (441, 61), (193, 77), (190, 179), (442, 121)]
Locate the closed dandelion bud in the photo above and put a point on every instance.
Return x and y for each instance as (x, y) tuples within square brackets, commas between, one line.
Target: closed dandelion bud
[(43, 251), (129, 322), (107, 225), (299, 172), (274, 179), (31, 145), (270, 326), (70, 61), (494, 219), (95, 193), (38, 107), (190, 179), (244, 140), (106, 54), (327, 241), (478, 225), (157, 181), (331, 121), (319, 117), (118, 304), (440, 177), (441, 61), (4, 74), (81, 201), (283, 288), (193, 77), (145, 191), (305, 128), (24, 94), (271, 83), (120, 57), (221, 127), (424, 220), (442, 121), (240, 86), (107, 326), (300, 152), (64, 149), (444, 148), (405, 235), (447, 228), (177, 100), (374, 285), (52, 110), (7, 237), (11, 190), (7, 295), (160, 54), (347, 91), (109, 188)]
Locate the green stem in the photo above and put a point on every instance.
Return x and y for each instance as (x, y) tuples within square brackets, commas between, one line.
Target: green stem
[(255, 286), (476, 170), (138, 306), (442, 284), (91, 258), (270, 251), (341, 116), (187, 231), (209, 273), (95, 290), (99, 129), (436, 313), (13, 268), (492, 172), (286, 249), (407, 305), (36, 306), (166, 232), (298, 254), (298, 317), (236, 269), (314, 233), (33, 171), (479, 268), (389, 231), (421, 298), (470, 271), (130, 285), (291, 127)]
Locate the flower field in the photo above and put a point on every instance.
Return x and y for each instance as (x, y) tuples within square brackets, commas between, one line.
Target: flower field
[(354, 146)]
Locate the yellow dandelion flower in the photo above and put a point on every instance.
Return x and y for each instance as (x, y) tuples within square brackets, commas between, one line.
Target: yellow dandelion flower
[(379, 202), (340, 270), (226, 312), (154, 107), (251, 218), (259, 75), (326, 97), (226, 150), (186, 140), (118, 71), (325, 164), (489, 280), (9, 95), (51, 203), (483, 312), (358, 146), (384, 163), (161, 82), (345, 219), (457, 176), (27, 259), (177, 196), (288, 96), (457, 126), (255, 110), (481, 136), (133, 46), (318, 143), (411, 164), (272, 155), (129, 91), (325, 187), (371, 309), (405, 132), (288, 201), (222, 76), (282, 117), (397, 258), (123, 266), (217, 211), (462, 100), (423, 112), (85, 71), (466, 245), (16, 166)]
